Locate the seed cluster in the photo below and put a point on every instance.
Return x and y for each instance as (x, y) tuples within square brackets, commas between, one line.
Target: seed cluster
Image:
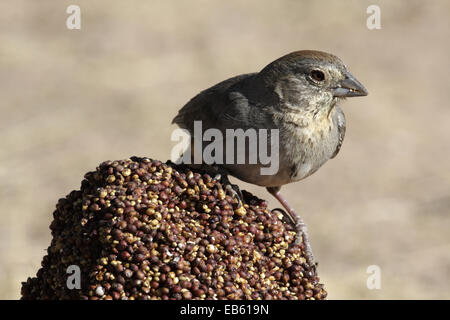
[(143, 229)]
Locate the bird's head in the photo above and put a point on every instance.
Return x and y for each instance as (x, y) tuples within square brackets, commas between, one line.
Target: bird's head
[(310, 80)]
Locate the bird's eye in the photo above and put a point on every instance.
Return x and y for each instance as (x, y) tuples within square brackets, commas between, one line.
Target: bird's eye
[(317, 75)]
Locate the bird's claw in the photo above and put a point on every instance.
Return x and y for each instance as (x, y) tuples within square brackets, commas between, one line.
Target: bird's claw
[(285, 215), (300, 237), (231, 189), (234, 191)]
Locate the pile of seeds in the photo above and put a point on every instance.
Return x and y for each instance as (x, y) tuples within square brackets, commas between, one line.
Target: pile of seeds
[(142, 229)]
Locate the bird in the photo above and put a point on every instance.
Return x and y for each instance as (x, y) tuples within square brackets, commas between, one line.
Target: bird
[(297, 94)]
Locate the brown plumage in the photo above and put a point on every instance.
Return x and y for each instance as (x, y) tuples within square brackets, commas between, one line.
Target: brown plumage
[(296, 94)]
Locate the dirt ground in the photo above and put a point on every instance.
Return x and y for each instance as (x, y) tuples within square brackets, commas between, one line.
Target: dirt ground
[(74, 98)]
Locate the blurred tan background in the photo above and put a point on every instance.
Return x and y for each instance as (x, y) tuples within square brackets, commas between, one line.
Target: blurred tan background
[(71, 99)]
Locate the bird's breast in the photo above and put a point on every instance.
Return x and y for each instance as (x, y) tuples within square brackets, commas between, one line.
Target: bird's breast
[(304, 145), (310, 146)]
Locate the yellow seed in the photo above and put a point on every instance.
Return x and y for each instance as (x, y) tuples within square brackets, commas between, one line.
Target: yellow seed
[(240, 211), (211, 248), (221, 194), (154, 224)]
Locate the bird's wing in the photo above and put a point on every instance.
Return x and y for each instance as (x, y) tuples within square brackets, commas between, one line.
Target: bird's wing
[(214, 106), (339, 119)]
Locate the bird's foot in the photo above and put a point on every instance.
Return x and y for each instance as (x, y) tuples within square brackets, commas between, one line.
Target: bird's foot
[(299, 225), (220, 174), (232, 190), (302, 237), (286, 215)]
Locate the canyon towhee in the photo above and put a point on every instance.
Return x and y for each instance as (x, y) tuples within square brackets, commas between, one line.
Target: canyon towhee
[(296, 94)]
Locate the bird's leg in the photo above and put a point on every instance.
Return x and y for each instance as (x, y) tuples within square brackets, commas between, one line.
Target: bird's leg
[(220, 174), (300, 226)]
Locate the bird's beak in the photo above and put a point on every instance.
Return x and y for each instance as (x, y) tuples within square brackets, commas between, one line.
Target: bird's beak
[(349, 87)]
